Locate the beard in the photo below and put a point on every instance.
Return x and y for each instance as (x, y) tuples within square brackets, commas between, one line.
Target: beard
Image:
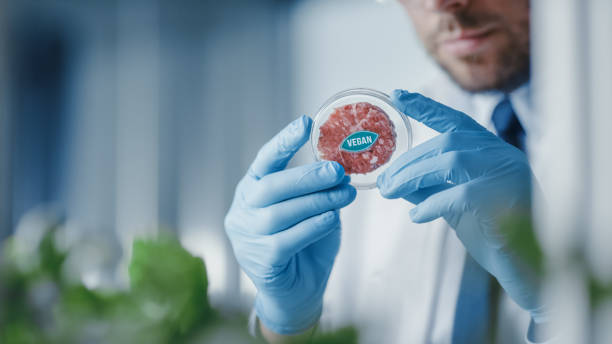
[(504, 66)]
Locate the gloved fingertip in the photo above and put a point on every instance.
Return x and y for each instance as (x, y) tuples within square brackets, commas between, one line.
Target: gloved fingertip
[(418, 216), (398, 97), (290, 139), (382, 182), (299, 125), (397, 94), (329, 217), (306, 121), (335, 168), (352, 193), (414, 214), (402, 99)]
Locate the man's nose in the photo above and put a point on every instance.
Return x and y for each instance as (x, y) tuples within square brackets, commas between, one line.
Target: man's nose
[(445, 5)]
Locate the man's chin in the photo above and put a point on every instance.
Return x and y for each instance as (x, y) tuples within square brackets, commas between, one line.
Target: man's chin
[(475, 74), (476, 79), (475, 84)]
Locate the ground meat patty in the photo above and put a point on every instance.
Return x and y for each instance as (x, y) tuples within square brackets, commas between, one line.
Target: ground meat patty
[(352, 118)]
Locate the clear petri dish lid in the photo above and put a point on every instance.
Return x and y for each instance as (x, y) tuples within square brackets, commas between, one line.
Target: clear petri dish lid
[(362, 130)]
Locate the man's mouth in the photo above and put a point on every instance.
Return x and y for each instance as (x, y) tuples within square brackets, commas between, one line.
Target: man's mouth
[(465, 42)]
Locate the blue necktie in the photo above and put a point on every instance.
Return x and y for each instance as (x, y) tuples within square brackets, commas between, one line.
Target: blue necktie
[(507, 124), (478, 294)]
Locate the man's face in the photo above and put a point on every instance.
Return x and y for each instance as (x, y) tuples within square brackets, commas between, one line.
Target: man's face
[(482, 44)]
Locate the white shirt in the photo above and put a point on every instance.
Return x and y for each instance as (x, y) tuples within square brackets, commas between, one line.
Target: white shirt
[(397, 281)]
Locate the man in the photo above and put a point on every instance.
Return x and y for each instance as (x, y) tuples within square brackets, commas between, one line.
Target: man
[(397, 282)]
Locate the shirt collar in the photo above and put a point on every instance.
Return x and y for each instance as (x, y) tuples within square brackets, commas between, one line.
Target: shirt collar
[(484, 103)]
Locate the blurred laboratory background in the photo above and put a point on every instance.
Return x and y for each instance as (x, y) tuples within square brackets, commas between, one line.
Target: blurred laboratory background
[(121, 119), (130, 116)]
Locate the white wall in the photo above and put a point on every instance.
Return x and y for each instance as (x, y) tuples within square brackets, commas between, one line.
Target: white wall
[(346, 44)]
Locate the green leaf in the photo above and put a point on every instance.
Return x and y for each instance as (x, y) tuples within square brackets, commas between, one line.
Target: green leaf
[(170, 285)]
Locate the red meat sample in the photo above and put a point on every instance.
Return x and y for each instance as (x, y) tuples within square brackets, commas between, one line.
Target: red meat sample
[(351, 118)]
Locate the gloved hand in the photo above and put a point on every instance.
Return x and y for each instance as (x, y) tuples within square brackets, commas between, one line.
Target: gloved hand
[(284, 227), (474, 180)]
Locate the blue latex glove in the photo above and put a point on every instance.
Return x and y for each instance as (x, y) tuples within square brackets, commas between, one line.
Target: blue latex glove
[(284, 227), (474, 180)]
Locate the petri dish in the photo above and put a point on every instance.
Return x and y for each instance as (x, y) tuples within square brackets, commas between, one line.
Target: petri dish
[(362, 130)]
